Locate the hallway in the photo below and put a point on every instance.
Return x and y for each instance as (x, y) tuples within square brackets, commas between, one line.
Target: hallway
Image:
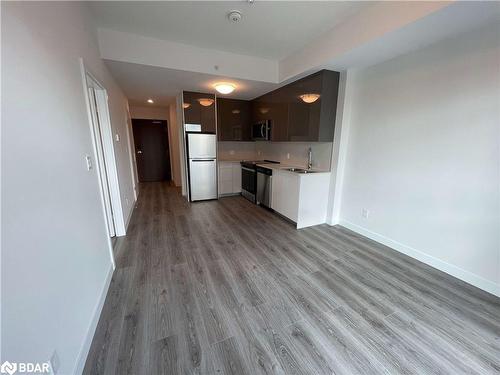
[(225, 287)]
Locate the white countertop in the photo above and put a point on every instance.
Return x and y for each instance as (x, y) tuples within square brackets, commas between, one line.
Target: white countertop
[(286, 166), (280, 166)]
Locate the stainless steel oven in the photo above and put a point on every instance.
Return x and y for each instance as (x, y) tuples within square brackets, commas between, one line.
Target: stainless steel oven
[(249, 181), (261, 131)]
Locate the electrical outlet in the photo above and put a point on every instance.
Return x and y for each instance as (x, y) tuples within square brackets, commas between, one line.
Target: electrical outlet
[(231, 152), (288, 155), (54, 363), (365, 213), (259, 152), (117, 137)]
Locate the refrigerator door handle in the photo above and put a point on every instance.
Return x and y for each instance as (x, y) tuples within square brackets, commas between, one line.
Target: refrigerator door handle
[(198, 160)]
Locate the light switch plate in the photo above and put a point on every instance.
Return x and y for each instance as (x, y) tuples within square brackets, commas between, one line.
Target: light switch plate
[(54, 363), (117, 137), (88, 160)]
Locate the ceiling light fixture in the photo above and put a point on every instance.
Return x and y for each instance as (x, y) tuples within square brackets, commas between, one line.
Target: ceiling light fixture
[(186, 105), (206, 102), (225, 87), (235, 111), (264, 110), (150, 101), (309, 98)]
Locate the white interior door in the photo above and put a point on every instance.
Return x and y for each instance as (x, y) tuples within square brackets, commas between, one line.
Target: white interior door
[(103, 173)]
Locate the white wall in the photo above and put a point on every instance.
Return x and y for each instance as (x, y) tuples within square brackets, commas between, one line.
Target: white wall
[(175, 159), (179, 111), (423, 156), (149, 113), (55, 260)]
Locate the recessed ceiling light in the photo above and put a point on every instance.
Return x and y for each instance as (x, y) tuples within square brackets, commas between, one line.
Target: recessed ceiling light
[(206, 102), (309, 98), (225, 87), (150, 101)]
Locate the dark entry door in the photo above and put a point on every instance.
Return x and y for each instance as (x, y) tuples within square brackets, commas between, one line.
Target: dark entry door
[(151, 150)]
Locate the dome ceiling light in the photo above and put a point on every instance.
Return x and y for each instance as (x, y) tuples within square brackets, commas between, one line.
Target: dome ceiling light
[(150, 101), (206, 102), (235, 111), (186, 105), (225, 87), (309, 98)]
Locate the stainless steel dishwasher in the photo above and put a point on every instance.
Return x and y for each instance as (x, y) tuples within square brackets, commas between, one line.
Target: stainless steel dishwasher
[(264, 186)]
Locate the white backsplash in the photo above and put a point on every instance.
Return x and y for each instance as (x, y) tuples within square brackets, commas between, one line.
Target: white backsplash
[(293, 153), (236, 150)]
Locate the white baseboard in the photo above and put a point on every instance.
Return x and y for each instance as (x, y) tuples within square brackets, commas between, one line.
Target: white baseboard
[(450, 269), (84, 351), (130, 216)]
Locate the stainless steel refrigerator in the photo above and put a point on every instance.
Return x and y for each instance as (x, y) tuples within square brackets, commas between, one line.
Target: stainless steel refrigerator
[(202, 164)]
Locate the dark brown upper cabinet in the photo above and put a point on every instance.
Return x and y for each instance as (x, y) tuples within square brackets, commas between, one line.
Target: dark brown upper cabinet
[(233, 119), (295, 117), (199, 108), (272, 107)]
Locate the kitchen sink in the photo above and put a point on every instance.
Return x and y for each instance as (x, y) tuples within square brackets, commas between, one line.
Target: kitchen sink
[(300, 170)]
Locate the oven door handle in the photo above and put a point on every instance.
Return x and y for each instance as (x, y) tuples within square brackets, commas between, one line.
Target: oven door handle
[(248, 169)]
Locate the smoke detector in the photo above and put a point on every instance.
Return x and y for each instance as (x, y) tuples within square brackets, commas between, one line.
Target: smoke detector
[(234, 16)]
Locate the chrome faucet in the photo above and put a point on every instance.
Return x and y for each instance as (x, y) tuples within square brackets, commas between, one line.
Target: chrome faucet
[(309, 158)]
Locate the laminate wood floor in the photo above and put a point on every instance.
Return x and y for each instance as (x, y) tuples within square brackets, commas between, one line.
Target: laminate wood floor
[(226, 287)]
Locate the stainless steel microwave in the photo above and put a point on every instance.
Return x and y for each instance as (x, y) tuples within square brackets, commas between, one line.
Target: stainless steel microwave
[(261, 131)]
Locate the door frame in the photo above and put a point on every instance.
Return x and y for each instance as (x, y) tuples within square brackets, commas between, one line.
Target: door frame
[(107, 157)]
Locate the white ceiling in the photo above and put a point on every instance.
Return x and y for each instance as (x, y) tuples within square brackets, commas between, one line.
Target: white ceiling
[(140, 82), (268, 29), (204, 24)]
